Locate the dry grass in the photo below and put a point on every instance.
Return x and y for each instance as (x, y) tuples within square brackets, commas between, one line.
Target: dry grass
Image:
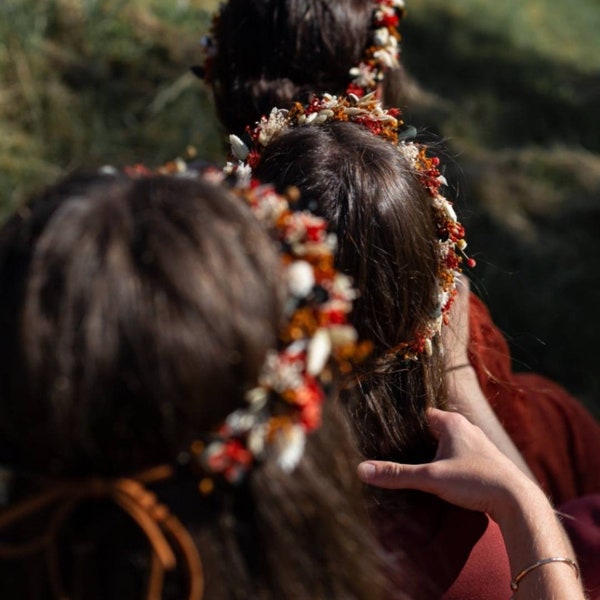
[(85, 82)]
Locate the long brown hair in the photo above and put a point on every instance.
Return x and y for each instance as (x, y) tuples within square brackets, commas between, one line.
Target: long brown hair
[(386, 241), (134, 314), (272, 52)]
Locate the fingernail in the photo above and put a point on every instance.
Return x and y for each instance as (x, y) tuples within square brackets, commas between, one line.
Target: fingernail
[(366, 471)]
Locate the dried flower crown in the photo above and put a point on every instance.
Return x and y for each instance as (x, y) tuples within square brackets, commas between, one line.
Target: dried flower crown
[(315, 340), (383, 53), (386, 124)]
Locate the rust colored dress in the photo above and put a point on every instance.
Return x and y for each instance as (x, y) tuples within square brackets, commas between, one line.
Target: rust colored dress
[(558, 438), (583, 528)]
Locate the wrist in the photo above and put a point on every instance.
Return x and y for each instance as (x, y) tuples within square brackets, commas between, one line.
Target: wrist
[(522, 501), (528, 522), (536, 541)]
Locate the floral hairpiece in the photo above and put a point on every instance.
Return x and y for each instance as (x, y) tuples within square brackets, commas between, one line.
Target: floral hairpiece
[(384, 51), (386, 124), (316, 339), (286, 404), (381, 55)]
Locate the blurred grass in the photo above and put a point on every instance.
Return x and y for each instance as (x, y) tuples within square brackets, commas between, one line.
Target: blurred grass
[(513, 87), (85, 82), (562, 31)]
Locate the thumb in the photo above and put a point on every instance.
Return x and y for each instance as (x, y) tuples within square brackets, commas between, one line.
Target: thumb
[(391, 475), (437, 420)]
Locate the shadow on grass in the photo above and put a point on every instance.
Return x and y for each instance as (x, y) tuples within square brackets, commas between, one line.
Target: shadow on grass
[(517, 98), (527, 134)]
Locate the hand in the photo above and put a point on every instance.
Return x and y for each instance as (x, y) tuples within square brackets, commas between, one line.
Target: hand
[(468, 469)]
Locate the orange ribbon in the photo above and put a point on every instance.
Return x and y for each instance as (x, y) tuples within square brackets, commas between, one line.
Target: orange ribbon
[(163, 530)]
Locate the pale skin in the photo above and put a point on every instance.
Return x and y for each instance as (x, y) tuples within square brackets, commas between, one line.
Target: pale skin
[(464, 392), (469, 471)]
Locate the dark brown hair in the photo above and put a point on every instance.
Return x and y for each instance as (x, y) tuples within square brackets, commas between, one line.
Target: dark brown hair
[(387, 242), (272, 52), (134, 314)]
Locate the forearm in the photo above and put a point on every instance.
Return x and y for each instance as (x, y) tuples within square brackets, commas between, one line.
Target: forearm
[(532, 533), (470, 471), (466, 397)]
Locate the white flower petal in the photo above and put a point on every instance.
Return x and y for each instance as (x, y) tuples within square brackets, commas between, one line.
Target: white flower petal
[(318, 353), (241, 421), (257, 397), (238, 148), (289, 445), (381, 36), (256, 441), (428, 347), (300, 278), (341, 335), (243, 176), (447, 208)]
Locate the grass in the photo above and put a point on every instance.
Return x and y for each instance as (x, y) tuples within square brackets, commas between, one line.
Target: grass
[(513, 87), (85, 82), (561, 31)]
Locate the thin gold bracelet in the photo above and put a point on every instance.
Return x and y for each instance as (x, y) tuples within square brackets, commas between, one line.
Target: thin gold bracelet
[(514, 584)]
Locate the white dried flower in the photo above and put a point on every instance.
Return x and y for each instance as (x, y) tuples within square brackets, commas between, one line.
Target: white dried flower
[(319, 349), (300, 278), (241, 421), (271, 127), (289, 446), (238, 148), (341, 335), (256, 440), (381, 37)]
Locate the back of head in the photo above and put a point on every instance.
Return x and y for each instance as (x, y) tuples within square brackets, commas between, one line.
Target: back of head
[(119, 324), (272, 52), (135, 314), (387, 242)]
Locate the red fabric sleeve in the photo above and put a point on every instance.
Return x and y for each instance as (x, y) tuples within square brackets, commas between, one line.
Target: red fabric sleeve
[(558, 437), (583, 527), (447, 553)]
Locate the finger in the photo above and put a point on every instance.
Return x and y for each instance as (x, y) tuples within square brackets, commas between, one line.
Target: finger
[(393, 476), (447, 427), (436, 420)]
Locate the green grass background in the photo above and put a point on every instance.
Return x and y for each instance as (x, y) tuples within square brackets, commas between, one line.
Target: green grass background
[(512, 87)]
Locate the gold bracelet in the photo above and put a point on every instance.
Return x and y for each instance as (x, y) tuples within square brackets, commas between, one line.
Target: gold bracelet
[(514, 584)]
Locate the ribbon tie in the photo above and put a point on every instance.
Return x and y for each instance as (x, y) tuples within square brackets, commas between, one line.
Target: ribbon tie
[(163, 530)]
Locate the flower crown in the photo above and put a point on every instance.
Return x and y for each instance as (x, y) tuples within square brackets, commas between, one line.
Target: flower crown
[(386, 124), (315, 340), (383, 53)]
